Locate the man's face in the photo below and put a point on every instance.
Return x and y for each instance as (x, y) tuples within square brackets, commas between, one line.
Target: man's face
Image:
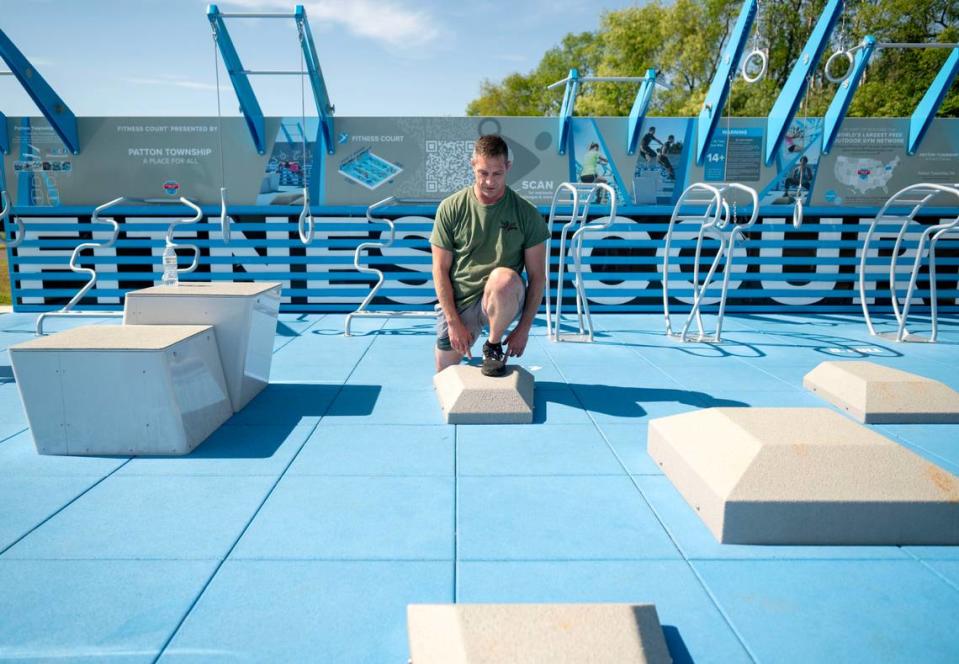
[(490, 174)]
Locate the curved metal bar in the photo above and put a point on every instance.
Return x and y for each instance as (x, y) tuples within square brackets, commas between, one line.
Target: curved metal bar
[(67, 310), (916, 196), (577, 195), (381, 276), (714, 204), (225, 219), (5, 215), (582, 303), (197, 216), (305, 220)]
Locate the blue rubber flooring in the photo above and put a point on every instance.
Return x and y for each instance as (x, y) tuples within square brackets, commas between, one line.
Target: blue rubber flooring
[(301, 529)]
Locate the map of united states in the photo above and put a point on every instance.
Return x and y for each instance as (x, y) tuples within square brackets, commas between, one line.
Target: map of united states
[(863, 174)]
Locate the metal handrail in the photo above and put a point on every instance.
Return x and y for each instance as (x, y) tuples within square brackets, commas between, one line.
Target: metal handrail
[(67, 310), (361, 310), (5, 215), (924, 192), (719, 222), (225, 219), (171, 229), (578, 196)]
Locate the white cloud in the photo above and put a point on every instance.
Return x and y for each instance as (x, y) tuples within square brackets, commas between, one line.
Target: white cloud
[(383, 21), (171, 81)]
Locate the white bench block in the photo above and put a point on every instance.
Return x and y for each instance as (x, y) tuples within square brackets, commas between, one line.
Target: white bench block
[(468, 397), (535, 633), (875, 394), (803, 476), (243, 315), (113, 389)]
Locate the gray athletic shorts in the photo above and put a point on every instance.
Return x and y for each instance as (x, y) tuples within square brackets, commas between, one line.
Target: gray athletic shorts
[(474, 318)]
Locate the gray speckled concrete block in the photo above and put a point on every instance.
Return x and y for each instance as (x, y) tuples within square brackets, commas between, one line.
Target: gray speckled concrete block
[(803, 476), (535, 633), (468, 397), (876, 394)]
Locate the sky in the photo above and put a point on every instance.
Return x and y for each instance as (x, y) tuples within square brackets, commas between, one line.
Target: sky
[(379, 57)]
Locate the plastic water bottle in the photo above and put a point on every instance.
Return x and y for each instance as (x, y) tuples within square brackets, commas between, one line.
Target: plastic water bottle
[(170, 276)]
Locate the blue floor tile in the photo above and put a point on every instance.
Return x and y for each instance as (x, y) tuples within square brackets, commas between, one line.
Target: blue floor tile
[(309, 611), (19, 458), (94, 610), (834, 611), (389, 406), (629, 443), (576, 449), (336, 518), (557, 518), (26, 501), (376, 449), (942, 440), (13, 418), (556, 403), (694, 629), (231, 450), (171, 518), (291, 404), (698, 543)]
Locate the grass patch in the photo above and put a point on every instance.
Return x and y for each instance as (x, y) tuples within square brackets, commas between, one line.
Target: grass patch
[(4, 275)]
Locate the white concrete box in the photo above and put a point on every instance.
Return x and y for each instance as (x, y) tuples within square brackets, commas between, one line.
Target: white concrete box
[(243, 315), (126, 390)]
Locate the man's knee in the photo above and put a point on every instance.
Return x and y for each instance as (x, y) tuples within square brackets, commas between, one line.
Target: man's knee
[(503, 281)]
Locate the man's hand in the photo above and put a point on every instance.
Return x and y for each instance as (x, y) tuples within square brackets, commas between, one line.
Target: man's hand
[(517, 340), (460, 338)]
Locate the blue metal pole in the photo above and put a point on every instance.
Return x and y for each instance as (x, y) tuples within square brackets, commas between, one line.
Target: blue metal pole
[(324, 108), (719, 88), (792, 93), (925, 112), (836, 112), (638, 113), (566, 111)]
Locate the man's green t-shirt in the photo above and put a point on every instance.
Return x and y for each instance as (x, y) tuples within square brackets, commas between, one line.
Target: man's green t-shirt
[(484, 237)]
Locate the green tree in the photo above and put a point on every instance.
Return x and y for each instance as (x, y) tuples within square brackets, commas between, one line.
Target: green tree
[(684, 40)]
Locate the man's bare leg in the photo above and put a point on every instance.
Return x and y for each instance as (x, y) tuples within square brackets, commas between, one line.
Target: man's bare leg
[(447, 358), (501, 298)]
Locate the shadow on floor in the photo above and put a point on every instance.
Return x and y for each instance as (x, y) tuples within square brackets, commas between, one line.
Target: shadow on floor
[(287, 404), (619, 401), (676, 645)]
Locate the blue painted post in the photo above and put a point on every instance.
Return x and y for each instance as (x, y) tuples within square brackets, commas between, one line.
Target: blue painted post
[(324, 108), (54, 109), (792, 93), (638, 113), (249, 106), (836, 112), (566, 111), (4, 135), (719, 88), (925, 112)]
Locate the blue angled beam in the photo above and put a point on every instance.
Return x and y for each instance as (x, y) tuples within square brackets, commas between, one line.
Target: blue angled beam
[(638, 113), (324, 108), (719, 88), (4, 135), (566, 111), (54, 109), (249, 106), (792, 93), (836, 112), (925, 112)]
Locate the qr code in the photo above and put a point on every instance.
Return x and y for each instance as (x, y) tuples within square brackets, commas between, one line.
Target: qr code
[(448, 165)]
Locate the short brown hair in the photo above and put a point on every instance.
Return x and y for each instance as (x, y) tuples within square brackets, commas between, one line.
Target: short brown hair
[(491, 145)]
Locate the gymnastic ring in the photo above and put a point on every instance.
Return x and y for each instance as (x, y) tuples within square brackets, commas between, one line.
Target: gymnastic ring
[(838, 79), (764, 63)]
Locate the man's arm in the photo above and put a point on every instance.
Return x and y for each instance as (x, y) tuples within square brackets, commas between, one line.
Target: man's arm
[(535, 259), (459, 335)]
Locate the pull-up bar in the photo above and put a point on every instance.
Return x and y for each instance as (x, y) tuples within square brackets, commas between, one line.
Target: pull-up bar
[(249, 105), (636, 115), (858, 59)]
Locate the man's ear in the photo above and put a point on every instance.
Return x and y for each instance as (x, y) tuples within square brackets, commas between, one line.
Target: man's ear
[(508, 164)]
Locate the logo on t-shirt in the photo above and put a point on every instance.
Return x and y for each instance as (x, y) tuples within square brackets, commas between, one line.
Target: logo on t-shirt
[(507, 225)]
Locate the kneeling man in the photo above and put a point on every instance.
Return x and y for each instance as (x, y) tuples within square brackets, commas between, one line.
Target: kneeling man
[(484, 235)]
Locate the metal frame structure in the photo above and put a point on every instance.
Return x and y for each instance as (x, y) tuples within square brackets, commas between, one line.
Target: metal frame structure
[(858, 58), (913, 198), (54, 109), (576, 197), (718, 222), (362, 311), (239, 76), (637, 113), (67, 311)]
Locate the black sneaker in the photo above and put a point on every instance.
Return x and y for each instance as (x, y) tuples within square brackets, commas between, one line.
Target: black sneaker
[(494, 359)]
